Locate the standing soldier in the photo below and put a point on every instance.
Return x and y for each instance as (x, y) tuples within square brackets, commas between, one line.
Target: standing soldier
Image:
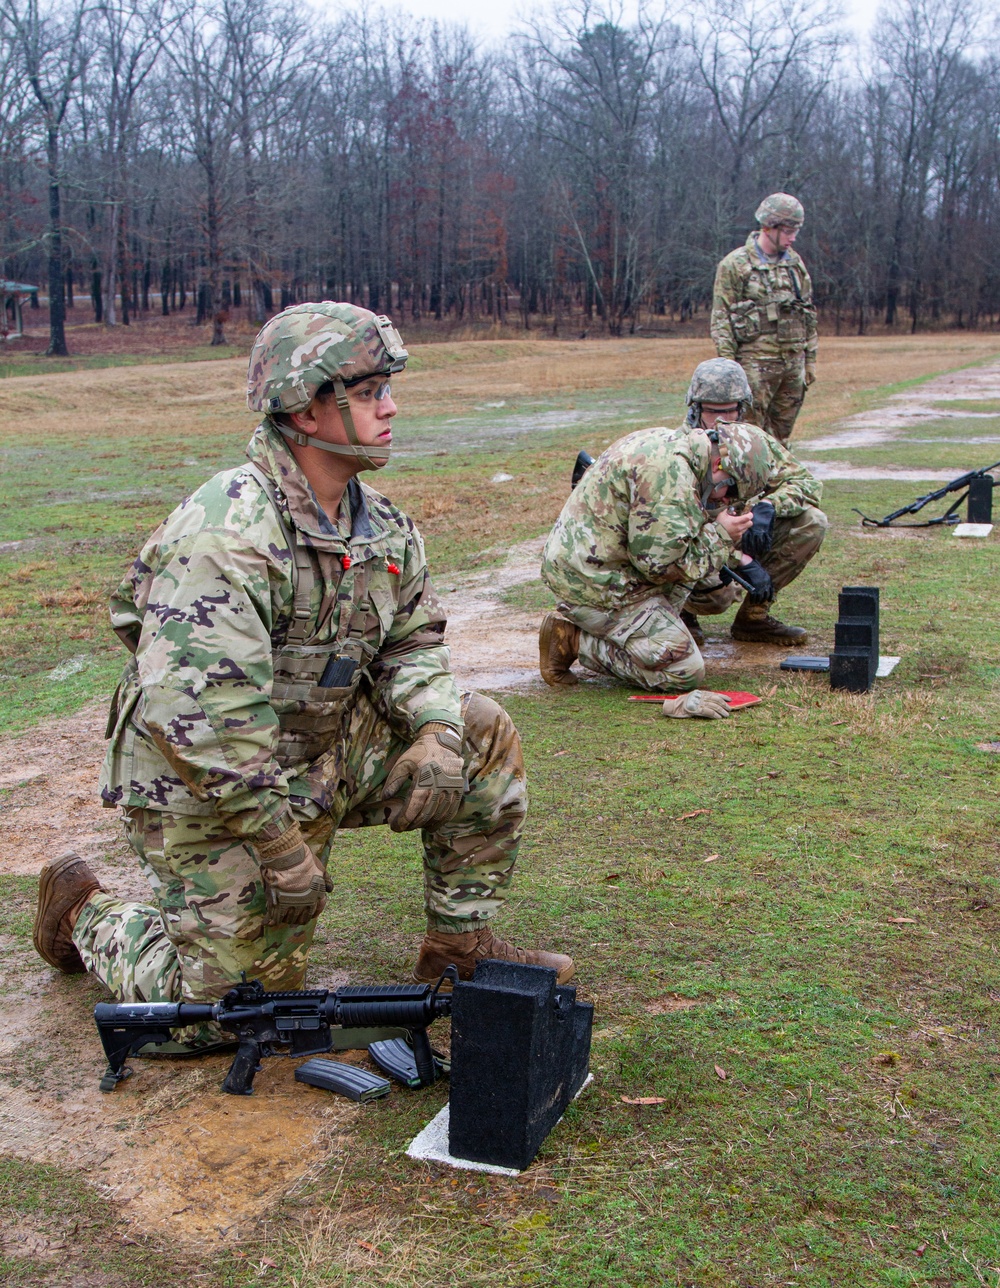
[(763, 315), (288, 678)]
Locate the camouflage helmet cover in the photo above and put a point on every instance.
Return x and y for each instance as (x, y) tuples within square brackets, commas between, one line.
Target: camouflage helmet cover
[(721, 381), (306, 345), (744, 455), (780, 208)]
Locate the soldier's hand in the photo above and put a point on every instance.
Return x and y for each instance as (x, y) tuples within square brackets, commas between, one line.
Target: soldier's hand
[(760, 579), (734, 524), (810, 374), (294, 879), (700, 703), (433, 765)]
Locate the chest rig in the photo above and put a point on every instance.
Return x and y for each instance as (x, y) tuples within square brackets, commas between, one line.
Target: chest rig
[(314, 683), (781, 307)]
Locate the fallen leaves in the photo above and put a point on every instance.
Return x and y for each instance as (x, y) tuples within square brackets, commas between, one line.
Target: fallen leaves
[(369, 1247), (721, 1073), (902, 921), (694, 814), (613, 876), (711, 858), (644, 1100)]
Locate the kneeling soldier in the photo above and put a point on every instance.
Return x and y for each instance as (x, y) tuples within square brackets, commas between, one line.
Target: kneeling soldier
[(288, 678), (639, 547)]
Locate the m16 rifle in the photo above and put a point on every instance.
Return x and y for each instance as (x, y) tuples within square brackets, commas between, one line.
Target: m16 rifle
[(950, 515), (301, 1021)]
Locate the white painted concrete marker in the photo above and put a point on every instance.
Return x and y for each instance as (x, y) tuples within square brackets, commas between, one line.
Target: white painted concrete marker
[(431, 1144), (973, 529), (886, 666)]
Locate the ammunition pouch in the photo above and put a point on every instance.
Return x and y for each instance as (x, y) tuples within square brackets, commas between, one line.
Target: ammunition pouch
[(746, 322), (792, 324)]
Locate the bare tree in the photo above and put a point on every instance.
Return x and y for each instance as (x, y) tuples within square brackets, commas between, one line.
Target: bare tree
[(750, 55), (128, 37), (52, 54), (202, 59), (920, 47)]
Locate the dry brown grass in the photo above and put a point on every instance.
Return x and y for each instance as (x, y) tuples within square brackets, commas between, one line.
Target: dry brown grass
[(184, 401)]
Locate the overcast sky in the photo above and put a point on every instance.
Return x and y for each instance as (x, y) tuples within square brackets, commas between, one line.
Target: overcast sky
[(493, 19)]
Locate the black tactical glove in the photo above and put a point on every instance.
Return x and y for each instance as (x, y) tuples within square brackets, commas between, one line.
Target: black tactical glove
[(758, 537), (760, 579)]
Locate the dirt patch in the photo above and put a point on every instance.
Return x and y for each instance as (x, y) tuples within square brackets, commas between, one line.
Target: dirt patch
[(672, 1003), (50, 780), (844, 470), (185, 1161), (912, 407)]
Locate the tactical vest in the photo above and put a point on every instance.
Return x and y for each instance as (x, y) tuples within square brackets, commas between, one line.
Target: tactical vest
[(314, 683), (782, 312)]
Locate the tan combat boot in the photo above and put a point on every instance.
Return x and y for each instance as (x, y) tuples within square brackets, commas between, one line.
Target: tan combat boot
[(65, 885), (558, 647), (753, 624), (693, 627), (440, 950)]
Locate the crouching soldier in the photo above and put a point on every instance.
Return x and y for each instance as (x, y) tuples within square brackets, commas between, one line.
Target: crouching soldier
[(643, 544), (288, 678)]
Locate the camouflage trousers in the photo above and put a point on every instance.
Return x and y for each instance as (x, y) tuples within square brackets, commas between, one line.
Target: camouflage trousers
[(779, 387), (204, 923), (649, 646)]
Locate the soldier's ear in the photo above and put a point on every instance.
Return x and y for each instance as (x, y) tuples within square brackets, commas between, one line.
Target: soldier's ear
[(303, 421)]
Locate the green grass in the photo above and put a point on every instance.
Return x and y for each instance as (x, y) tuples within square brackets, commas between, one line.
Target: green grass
[(837, 960)]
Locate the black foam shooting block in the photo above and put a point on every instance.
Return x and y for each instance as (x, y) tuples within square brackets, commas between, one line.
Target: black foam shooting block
[(851, 669), (862, 602), (855, 634), (520, 1051), (980, 508)]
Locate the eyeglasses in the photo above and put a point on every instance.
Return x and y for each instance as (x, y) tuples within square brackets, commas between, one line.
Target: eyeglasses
[(382, 390)]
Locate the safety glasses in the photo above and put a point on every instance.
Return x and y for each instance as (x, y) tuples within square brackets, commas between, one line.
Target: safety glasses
[(382, 390)]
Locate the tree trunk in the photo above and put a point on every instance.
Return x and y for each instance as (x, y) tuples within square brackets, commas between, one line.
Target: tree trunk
[(57, 299)]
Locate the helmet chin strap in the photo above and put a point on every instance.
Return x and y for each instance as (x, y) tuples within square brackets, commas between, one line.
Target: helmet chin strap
[(371, 457)]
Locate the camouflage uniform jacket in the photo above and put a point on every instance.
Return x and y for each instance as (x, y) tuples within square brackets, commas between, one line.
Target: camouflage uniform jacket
[(635, 526), (193, 726), (762, 308)]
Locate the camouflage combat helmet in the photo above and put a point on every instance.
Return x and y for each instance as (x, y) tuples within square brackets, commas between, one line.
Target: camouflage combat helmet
[(721, 381), (744, 455), (307, 345), (780, 208)]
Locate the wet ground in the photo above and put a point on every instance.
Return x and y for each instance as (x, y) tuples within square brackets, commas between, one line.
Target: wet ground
[(178, 1155), (948, 403)]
